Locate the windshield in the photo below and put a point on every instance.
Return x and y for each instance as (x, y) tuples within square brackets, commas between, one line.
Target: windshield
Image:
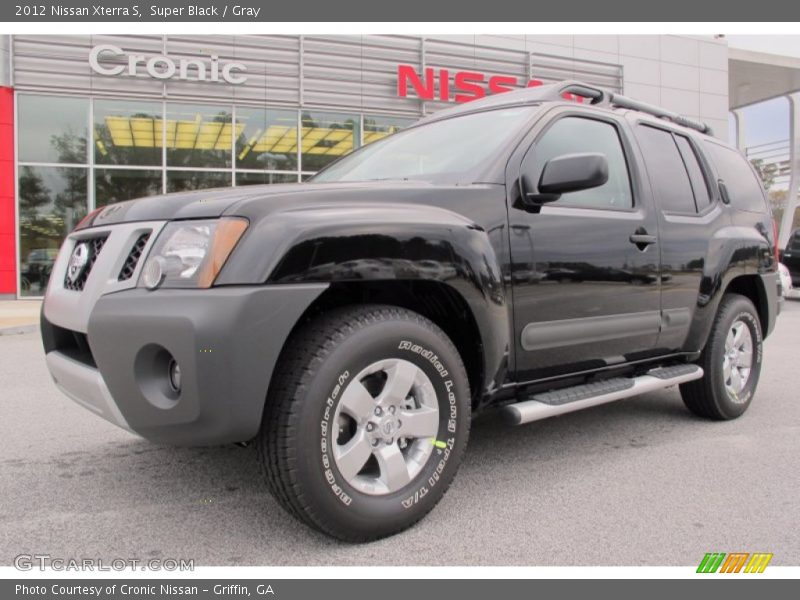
[(442, 151)]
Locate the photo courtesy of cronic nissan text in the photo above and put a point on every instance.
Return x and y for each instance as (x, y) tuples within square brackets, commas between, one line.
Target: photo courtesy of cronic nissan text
[(351, 299)]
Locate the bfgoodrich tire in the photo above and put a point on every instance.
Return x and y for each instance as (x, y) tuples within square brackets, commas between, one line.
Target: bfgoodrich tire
[(366, 421), (731, 361)]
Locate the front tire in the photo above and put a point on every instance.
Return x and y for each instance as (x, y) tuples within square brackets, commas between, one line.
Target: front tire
[(731, 361), (366, 421)]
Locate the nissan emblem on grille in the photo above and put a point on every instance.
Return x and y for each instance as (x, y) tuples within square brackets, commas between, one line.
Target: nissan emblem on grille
[(81, 262), (78, 261)]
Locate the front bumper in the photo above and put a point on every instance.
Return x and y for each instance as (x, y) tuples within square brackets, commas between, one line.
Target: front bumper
[(226, 341)]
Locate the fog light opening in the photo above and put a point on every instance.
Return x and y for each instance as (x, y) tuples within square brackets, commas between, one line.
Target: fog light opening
[(175, 376)]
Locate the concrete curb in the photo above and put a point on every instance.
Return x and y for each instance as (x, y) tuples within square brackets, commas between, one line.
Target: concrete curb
[(19, 329)]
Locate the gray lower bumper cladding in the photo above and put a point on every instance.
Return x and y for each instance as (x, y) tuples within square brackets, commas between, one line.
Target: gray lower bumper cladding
[(225, 340)]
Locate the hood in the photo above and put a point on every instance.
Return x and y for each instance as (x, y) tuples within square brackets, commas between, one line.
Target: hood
[(250, 201), (202, 204)]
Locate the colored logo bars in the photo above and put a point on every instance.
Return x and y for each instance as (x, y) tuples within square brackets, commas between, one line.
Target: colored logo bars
[(734, 562)]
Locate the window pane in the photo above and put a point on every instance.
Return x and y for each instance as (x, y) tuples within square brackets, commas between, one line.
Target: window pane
[(52, 129), (744, 187), (116, 185), (51, 202), (702, 197), (179, 181), (377, 128), (573, 135), (326, 137), (259, 178), (127, 132), (267, 139), (199, 136), (666, 170)]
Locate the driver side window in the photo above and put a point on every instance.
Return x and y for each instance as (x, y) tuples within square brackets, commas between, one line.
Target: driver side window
[(576, 135)]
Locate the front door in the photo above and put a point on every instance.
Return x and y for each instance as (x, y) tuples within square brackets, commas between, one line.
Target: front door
[(586, 266)]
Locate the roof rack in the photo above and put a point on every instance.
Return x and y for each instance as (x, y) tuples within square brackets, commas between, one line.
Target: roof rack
[(553, 92), (604, 97)]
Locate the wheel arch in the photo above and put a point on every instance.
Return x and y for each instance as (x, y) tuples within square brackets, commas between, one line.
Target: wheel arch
[(434, 300), (752, 288)]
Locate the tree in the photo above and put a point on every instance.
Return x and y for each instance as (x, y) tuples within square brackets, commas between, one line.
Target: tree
[(766, 171)]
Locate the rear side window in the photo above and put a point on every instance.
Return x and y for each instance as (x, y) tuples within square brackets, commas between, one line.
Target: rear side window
[(744, 187), (702, 197), (667, 170)]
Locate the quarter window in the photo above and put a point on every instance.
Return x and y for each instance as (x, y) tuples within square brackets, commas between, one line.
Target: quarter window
[(572, 135), (744, 187)]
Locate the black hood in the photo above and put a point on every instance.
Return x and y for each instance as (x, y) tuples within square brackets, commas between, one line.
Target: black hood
[(247, 201)]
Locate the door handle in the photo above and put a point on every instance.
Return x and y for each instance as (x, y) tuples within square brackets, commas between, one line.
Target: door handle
[(642, 238)]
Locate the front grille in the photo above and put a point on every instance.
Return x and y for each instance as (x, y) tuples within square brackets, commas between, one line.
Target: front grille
[(133, 257), (95, 246)]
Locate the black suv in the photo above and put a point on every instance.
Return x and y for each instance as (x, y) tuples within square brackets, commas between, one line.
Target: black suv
[(522, 252)]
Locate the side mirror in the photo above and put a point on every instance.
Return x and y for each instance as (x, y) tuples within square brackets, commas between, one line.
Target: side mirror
[(573, 173), (562, 175)]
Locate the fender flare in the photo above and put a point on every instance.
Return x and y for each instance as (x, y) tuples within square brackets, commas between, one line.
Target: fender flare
[(384, 241)]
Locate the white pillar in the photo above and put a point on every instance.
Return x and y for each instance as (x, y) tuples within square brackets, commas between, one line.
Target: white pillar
[(738, 119), (5, 59), (794, 163)]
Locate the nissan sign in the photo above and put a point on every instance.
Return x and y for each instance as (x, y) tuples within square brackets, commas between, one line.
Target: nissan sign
[(164, 67), (458, 86)]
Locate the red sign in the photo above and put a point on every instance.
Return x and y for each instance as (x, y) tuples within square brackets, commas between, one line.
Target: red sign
[(458, 86), (8, 252)]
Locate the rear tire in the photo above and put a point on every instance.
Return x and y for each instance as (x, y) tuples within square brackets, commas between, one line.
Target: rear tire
[(366, 421), (731, 361)]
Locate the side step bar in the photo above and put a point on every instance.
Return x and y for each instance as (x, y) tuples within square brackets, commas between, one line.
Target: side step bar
[(559, 402)]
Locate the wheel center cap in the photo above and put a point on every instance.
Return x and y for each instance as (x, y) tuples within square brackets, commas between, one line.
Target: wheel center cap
[(388, 428)]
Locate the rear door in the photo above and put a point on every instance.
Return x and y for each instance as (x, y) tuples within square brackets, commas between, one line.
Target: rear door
[(688, 215), (586, 291)]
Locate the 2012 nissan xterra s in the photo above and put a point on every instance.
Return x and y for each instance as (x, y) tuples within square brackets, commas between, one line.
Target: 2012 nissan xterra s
[(524, 252)]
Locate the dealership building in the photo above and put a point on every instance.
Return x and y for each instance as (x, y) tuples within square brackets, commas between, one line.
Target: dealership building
[(90, 120)]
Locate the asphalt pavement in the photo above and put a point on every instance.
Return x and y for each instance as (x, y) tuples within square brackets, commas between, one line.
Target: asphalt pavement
[(637, 482)]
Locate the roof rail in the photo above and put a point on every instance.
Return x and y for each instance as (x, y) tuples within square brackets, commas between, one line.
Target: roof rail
[(600, 96), (553, 92)]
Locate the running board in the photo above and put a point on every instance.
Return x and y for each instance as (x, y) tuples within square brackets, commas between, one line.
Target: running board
[(559, 402)]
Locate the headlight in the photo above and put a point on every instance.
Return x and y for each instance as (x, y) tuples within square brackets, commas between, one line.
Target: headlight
[(190, 254)]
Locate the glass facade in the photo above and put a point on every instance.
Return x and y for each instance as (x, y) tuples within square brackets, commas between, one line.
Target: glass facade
[(327, 136), (76, 154), (266, 139), (127, 133), (54, 129), (116, 185), (52, 200)]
